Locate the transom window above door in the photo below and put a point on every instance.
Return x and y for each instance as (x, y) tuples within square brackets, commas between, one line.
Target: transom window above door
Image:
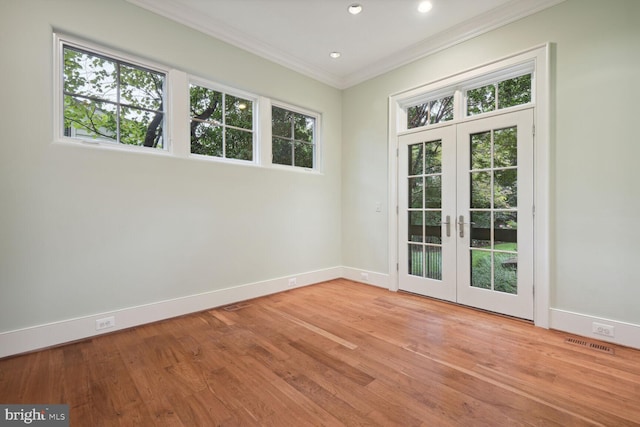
[(506, 89)]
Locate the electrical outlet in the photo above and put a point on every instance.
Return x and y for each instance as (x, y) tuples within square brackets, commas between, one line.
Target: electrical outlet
[(292, 282), (364, 277), (107, 322), (602, 329)]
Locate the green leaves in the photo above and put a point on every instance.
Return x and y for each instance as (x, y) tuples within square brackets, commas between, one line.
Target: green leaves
[(110, 100), (432, 112), (496, 96), (221, 124), (293, 141)]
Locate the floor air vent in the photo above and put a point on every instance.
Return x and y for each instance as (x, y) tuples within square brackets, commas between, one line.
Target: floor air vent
[(590, 345), (236, 307)]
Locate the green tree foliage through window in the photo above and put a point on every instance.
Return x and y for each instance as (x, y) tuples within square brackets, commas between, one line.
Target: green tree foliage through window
[(431, 112), (496, 96), (110, 100), (221, 124), (293, 138)]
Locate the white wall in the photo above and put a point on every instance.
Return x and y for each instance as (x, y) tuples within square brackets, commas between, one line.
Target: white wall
[(595, 151), (86, 231)]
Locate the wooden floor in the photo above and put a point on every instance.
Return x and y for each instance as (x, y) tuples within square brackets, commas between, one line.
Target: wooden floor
[(337, 353)]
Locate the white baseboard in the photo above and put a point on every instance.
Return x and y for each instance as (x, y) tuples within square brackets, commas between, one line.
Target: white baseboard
[(56, 333), (627, 334), (368, 277)]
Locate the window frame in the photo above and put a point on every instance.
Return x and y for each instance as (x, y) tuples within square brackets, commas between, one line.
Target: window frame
[(317, 147), (432, 96), (459, 90), (177, 114), (60, 41), (255, 119)]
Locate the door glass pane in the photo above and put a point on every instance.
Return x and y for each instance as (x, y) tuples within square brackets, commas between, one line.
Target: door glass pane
[(433, 227), (480, 229), (505, 230), (505, 272), (415, 192), (481, 269), (505, 148), (416, 260), (493, 215), (505, 194), (433, 190), (480, 190), (433, 157), (416, 159), (433, 262), (416, 226), (481, 150)]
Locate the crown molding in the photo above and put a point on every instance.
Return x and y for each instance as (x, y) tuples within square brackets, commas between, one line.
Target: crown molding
[(221, 31), (495, 18)]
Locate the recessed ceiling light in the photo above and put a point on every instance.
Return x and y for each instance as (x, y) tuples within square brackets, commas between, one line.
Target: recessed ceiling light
[(424, 6), (335, 55), (355, 9)]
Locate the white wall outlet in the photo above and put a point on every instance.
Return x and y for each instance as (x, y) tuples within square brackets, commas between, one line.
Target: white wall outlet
[(364, 277), (107, 322), (602, 329), (378, 207), (292, 282)]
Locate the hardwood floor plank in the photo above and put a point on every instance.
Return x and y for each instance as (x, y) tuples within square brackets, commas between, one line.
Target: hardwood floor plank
[(333, 354)]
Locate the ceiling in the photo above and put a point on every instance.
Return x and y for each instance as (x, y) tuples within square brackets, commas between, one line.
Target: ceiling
[(300, 34)]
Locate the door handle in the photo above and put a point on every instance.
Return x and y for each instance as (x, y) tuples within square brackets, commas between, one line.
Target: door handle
[(448, 225), (461, 224)]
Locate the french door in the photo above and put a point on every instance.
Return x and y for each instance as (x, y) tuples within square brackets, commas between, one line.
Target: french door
[(466, 213)]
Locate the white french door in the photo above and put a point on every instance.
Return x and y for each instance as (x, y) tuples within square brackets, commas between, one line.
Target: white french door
[(466, 213)]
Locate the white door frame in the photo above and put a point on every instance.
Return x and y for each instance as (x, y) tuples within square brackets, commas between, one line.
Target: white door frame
[(539, 58)]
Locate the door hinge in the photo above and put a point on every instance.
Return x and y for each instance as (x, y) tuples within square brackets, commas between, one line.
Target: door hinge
[(397, 266), (533, 130), (533, 210), (397, 210), (397, 152)]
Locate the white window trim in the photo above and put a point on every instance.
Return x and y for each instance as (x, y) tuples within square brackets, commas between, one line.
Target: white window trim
[(59, 40), (317, 138), (539, 59)]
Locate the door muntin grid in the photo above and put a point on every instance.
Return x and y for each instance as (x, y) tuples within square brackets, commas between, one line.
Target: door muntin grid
[(493, 178), (424, 186)]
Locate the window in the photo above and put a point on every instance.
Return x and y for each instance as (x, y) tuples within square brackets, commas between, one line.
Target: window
[(221, 124), (109, 100), (118, 101), (509, 87), (431, 112), (496, 96), (293, 138)]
